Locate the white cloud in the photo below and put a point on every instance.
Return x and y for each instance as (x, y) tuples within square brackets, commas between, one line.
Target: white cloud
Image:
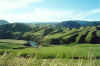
[(91, 13), (9, 4), (40, 14), (45, 14), (96, 11)]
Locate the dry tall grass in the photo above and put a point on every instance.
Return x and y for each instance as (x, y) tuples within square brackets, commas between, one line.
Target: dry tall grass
[(8, 60)]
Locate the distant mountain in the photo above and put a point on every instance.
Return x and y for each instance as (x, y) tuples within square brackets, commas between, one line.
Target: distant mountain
[(25, 27), (16, 27), (89, 23), (3, 22), (78, 24)]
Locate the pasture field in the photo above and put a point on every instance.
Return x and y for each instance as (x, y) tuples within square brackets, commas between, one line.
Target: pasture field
[(53, 55), (10, 43)]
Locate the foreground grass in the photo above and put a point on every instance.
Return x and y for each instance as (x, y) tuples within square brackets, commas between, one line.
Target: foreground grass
[(61, 55), (51, 52), (19, 61)]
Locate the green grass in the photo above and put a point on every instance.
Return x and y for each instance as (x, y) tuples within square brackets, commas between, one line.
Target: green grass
[(54, 54), (69, 51), (9, 43), (53, 51), (12, 41), (60, 51)]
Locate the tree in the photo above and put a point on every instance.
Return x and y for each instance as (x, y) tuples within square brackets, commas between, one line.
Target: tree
[(27, 36), (16, 35)]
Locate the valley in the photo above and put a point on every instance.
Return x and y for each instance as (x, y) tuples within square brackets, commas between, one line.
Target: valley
[(69, 42)]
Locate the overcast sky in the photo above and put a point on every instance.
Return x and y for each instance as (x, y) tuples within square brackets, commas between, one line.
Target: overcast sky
[(49, 10)]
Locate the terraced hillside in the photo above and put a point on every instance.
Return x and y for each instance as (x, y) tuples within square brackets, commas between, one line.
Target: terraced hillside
[(82, 35), (62, 33)]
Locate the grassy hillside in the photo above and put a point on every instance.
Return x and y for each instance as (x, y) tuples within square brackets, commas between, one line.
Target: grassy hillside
[(50, 34), (50, 52), (55, 45), (54, 54), (82, 35), (11, 44)]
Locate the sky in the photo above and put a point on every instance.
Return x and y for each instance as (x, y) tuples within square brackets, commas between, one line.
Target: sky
[(49, 10)]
